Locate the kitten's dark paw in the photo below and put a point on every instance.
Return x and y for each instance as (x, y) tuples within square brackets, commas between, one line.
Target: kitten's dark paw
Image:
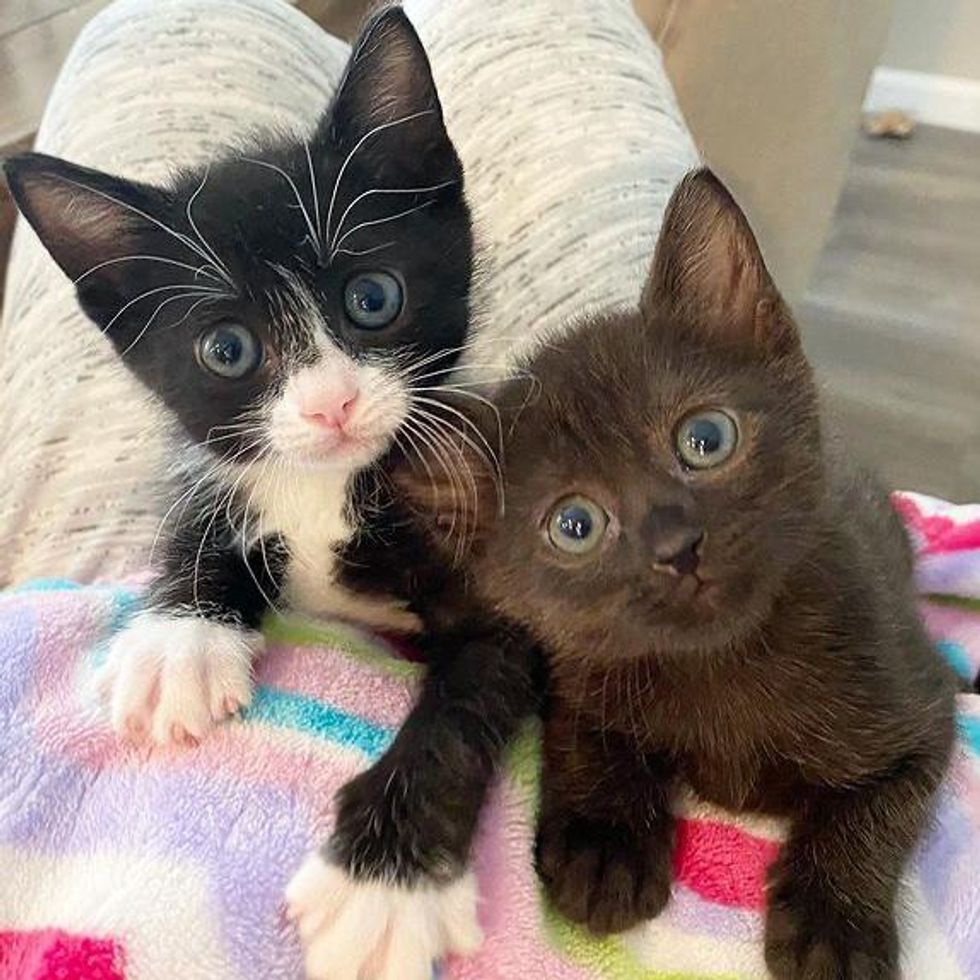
[(811, 937), (601, 874), (387, 829)]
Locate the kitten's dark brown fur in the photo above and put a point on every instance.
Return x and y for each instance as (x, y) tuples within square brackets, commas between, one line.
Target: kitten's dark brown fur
[(748, 629)]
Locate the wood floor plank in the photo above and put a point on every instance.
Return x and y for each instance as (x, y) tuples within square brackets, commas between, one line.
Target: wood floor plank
[(29, 62), (892, 317), (16, 15)]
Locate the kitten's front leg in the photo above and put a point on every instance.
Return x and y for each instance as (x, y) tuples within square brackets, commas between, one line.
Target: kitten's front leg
[(605, 832), (186, 661), (390, 893), (832, 893)]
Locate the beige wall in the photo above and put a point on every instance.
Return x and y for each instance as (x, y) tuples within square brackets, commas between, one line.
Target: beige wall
[(772, 91), (941, 37)]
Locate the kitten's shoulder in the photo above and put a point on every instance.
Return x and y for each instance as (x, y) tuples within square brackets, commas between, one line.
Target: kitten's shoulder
[(859, 508)]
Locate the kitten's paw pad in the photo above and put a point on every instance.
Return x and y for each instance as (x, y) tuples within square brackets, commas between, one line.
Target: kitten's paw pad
[(170, 678), (369, 930), (813, 938), (602, 875)]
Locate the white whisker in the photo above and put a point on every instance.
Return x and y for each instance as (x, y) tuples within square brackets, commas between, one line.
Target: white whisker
[(313, 191), (378, 221), (198, 291), (431, 189), (216, 263), (350, 156), (170, 299), (314, 234)]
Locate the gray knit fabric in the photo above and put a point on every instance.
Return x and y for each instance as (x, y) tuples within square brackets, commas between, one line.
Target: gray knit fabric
[(564, 120)]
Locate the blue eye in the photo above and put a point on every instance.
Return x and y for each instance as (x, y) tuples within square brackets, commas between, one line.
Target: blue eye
[(706, 439), (373, 299), (577, 525), (229, 351)]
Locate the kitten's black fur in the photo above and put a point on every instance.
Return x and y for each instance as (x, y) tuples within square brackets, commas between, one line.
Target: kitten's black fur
[(748, 629)]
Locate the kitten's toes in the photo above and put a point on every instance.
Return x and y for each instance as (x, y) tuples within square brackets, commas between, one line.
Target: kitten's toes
[(170, 678), (812, 937), (369, 930), (601, 874)]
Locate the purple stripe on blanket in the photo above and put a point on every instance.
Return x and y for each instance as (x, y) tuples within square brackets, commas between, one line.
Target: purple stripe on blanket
[(17, 641), (225, 829), (689, 912), (949, 869)]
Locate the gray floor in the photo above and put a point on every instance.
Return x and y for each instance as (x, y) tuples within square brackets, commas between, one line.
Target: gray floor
[(892, 319)]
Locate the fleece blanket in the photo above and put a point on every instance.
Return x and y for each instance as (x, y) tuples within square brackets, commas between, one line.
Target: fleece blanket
[(126, 864)]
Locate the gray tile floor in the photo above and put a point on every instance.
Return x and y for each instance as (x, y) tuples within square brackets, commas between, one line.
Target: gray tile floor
[(892, 318)]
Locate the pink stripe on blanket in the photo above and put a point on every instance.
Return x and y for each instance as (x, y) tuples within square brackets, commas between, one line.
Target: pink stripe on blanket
[(50, 954), (937, 532), (338, 679), (722, 863)]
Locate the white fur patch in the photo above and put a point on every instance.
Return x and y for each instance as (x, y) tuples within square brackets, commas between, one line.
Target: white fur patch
[(171, 677), (368, 930), (308, 508)]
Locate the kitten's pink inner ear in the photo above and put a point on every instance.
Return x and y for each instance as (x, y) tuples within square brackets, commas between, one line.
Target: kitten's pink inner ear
[(708, 270), (80, 226)]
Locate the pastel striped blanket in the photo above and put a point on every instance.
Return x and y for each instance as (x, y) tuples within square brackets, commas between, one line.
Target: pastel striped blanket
[(123, 863)]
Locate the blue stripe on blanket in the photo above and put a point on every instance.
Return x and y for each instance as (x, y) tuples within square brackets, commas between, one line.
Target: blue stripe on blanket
[(283, 709), (957, 658), (969, 726)]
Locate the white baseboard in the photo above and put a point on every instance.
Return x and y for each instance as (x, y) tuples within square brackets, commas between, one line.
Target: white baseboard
[(938, 100)]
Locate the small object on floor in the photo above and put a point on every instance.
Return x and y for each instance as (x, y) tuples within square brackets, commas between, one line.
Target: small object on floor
[(892, 124)]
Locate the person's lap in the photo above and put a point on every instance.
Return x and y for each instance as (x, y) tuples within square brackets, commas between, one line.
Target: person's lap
[(151, 85)]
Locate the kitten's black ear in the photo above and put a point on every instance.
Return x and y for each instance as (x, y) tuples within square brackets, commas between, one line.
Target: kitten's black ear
[(82, 216), (708, 271), (388, 92), (92, 224)]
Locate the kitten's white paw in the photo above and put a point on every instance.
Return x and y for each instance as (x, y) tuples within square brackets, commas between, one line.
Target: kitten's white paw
[(368, 930), (170, 677)]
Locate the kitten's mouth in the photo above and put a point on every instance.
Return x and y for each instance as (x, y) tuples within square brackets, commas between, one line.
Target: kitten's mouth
[(342, 448)]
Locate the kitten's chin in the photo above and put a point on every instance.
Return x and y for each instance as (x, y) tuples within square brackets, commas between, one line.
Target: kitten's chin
[(349, 453)]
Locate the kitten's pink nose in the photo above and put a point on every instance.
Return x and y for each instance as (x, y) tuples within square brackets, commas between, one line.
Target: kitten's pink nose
[(329, 406)]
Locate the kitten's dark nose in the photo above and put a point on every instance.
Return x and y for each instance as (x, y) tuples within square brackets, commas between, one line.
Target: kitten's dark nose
[(678, 550)]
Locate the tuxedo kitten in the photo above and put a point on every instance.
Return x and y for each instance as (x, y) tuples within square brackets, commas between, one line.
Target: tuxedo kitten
[(724, 601), (294, 304)]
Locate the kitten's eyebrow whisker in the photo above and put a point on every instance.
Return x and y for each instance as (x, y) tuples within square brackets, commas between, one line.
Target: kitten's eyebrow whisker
[(430, 189), (363, 251), (199, 290), (350, 156), (183, 319), (197, 270), (314, 233), (217, 263), (377, 221), (313, 191)]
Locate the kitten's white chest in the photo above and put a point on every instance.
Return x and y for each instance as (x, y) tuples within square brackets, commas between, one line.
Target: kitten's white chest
[(309, 510)]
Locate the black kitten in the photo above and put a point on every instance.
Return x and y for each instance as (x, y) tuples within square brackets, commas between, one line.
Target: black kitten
[(294, 304), (723, 600)]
